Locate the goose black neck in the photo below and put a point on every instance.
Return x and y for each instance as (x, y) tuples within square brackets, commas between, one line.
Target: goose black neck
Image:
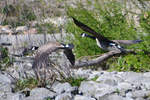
[(92, 37)]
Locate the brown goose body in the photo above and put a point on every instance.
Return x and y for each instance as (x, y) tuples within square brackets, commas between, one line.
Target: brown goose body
[(41, 61), (44, 51)]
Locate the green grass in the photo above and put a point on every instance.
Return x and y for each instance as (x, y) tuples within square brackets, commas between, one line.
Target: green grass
[(109, 21), (26, 83), (95, 78), (5, 60), (74, 81)]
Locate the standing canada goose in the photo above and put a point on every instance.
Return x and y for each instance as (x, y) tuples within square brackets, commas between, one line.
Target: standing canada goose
[(101, 41), (29, 49), (41, 58)]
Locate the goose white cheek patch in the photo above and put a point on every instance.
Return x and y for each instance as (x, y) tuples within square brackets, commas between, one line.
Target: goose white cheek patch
[(112, 44), (83, 35), (67, 45), (118, 46)]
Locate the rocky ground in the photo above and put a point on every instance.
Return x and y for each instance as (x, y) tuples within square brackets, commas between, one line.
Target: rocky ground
[(98, 85)]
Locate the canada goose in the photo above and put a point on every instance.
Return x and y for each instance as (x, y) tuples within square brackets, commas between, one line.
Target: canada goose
[(41, 57), (50, 47), (125, 42), (29, 49), (101, 41)]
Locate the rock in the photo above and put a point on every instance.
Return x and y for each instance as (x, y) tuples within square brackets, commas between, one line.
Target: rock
[(64, 96), (112, 97), (4, 79), (124, 88), (40, 94), (5, 84), (90, 88), (30, 31), (5, 88), (62, 88), (108, 79), (141, 99), (140, 94), (21, 28), (80, 97), (12, 96), (82, 73), (6, 29)]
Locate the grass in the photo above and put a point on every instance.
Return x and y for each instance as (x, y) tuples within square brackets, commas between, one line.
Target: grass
[(95, 78), (112, 23), (74, 81), (5, 60), (26, 83)]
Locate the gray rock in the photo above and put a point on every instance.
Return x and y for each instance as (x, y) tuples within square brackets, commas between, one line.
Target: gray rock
[(64, 96), (112, 97), (124, 88), (112, 81), (62, 87), (141, 99), (140, 94), (40, 94), (82, 73), (5, 84), (12, 96), (80, 97), (5, 88), (21, 28), (90, 88), (4, 79)]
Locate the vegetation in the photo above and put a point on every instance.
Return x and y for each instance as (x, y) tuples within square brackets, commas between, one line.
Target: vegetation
[(5, 60), (109, 21), (22, 12), (26, 83), (74, 81), (47, 28), (95, 78)]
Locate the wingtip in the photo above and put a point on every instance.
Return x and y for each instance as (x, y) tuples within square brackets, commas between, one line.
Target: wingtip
[(74, 19), (138, 41)]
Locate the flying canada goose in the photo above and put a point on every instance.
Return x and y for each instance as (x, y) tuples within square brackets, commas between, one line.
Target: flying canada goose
[(125, 42), (101, 41), (43, 52)]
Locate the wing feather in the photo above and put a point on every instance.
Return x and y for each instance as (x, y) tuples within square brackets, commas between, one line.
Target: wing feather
[(69, 54), (89, 30)]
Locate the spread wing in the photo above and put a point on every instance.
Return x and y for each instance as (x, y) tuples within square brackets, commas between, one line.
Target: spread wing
[(89, 30), (69, 54), (127, 42)]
